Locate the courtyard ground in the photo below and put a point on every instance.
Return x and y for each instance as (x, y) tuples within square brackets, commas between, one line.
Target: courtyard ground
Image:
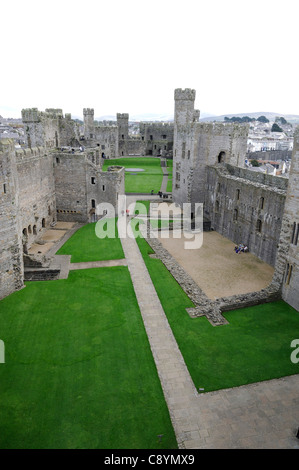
[(216, 268), (79, 371)]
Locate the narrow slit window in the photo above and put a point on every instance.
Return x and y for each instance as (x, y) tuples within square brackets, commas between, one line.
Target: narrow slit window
[(288, 274)]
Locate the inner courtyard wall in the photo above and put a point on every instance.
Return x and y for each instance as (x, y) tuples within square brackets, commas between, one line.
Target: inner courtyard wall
[(11, 252), (37, 198), (245, 211)]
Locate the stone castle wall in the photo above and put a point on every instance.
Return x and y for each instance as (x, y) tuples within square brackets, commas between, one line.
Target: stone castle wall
[(49, 129), (198, 144), (37, 201), (11, 252), (273, 155), (245, 211), (287, 265), (81, 185)]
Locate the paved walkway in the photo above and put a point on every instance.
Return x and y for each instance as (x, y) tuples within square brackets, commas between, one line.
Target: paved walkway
[(165, 176), (98, 264), (262, 415)]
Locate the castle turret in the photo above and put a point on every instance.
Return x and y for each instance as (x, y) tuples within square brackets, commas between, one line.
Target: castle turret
[(123, 132), (184, 106), (123, 125), (89, 130)]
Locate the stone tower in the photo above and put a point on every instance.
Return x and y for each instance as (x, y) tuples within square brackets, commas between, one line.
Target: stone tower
[(198, 145), (287, 262), (184, 106), (123, 125), (123, 132), (33, 127), (89, 129), (11, 251)]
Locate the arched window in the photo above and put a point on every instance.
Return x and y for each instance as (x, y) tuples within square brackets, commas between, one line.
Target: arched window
[(288, 273), (261, 203), (259, 226), (221, 157), (297, 235), (293, 233), (235, 217)]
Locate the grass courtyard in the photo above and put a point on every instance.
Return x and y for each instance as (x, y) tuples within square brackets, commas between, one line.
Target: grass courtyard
[(85, 246), (78, 369), (140, 182), (253, 347)]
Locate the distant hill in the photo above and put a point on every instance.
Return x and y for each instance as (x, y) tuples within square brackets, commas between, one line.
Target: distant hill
[(166, 117), (139, 117), (292, 118)]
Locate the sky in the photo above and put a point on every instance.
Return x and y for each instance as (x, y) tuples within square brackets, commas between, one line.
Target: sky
[(128, 56)]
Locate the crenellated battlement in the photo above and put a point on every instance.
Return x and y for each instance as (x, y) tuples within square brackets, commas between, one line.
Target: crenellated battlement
[(31, 115), (30, 153), (232, 129), (34, 115), (54, 112), (88, 111), (184, 94), (122, 116)]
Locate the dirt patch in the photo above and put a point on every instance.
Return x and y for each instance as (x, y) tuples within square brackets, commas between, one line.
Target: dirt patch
[(217, 269), (64, 225), (53, 235), (37, 249), (48, 239)]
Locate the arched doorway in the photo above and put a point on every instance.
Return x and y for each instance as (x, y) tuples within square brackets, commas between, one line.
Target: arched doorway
[(221, 157)]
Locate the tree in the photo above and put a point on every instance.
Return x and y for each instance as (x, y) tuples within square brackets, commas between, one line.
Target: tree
[(281, 119), (276, 128), (254, 162), (262, 119)]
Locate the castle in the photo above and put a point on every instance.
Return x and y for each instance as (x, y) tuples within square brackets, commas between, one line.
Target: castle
[(49, 182), (259, 210)]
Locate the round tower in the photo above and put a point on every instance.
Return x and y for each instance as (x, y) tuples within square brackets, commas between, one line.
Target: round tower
[(88, 114)]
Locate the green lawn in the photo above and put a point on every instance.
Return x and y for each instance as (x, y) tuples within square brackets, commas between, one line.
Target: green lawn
[(142, 182), (85, 246), (253, 347)]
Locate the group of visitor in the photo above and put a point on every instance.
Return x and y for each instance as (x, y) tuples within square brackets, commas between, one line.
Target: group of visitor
[(241, 248)]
